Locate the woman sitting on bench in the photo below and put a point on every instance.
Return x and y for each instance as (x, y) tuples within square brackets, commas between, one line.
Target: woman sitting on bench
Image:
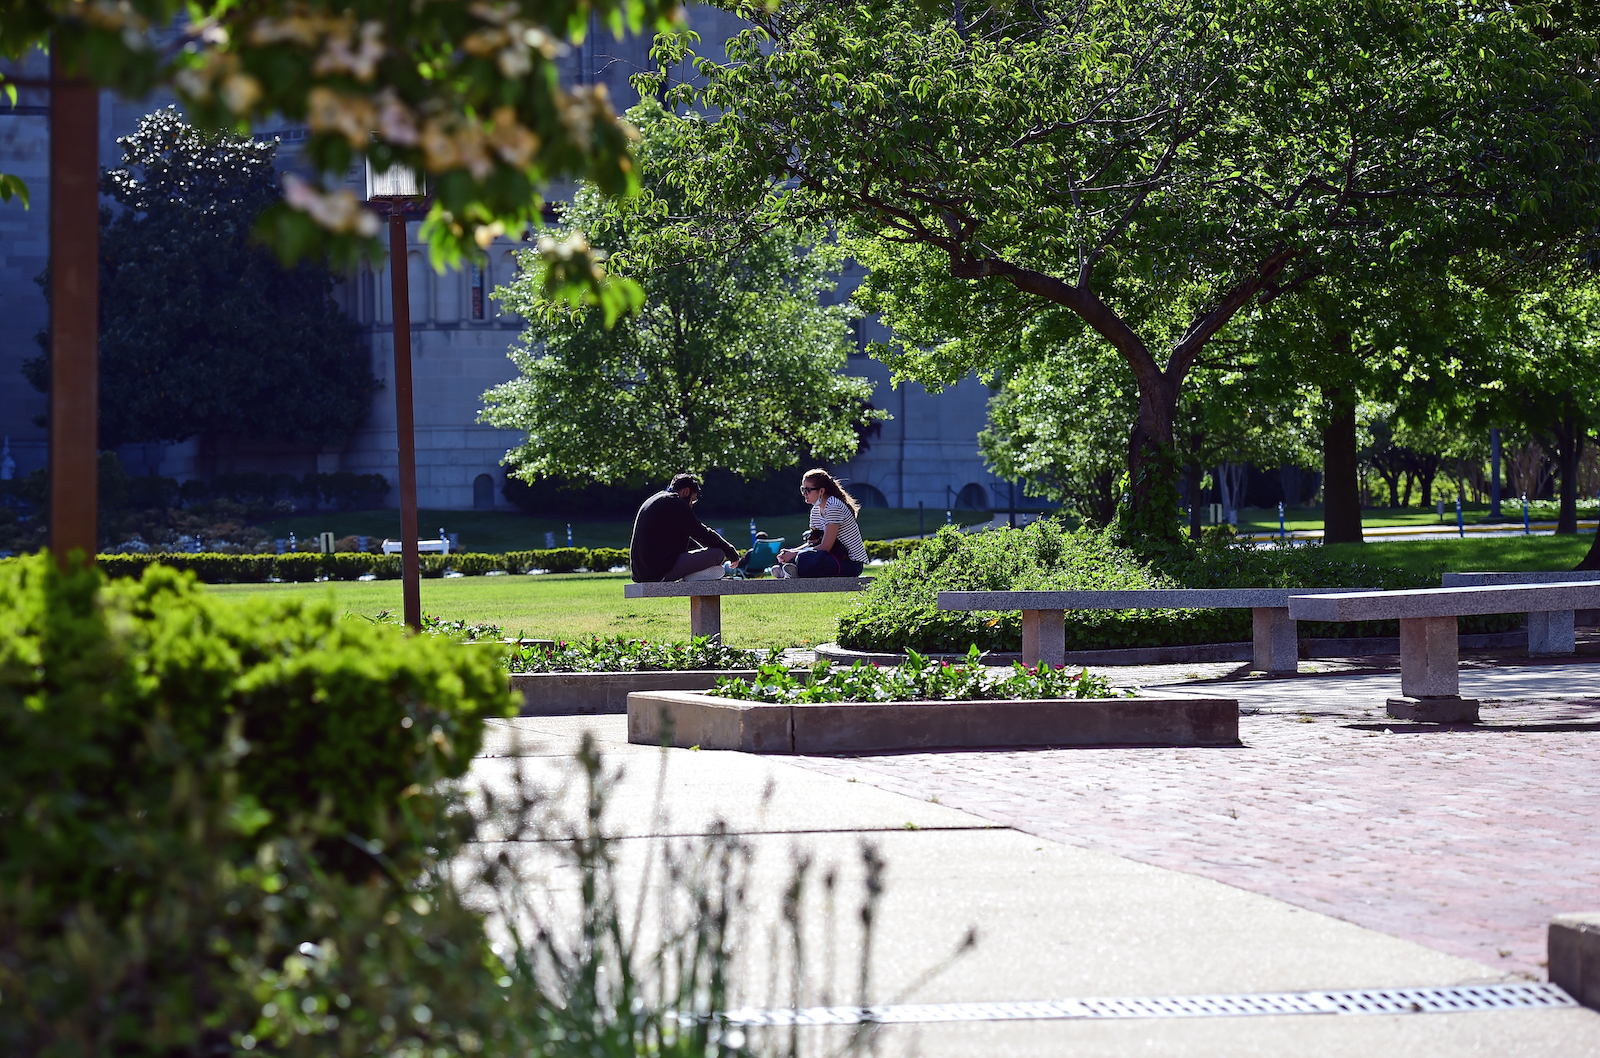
[(840, 553)]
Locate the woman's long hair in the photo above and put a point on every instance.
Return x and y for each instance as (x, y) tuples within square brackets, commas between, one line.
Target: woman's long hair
[(832, 488)]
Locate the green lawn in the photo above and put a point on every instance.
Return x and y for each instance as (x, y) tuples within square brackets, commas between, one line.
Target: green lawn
[(566, 607), (569, 606), (500, 531), (1301, 518), (1258, 519), (1503, 553)]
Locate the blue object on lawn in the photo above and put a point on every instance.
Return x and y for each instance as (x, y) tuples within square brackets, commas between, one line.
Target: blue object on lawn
[(1461, 527), (569, 534), (1525, 514), (1280, 520)]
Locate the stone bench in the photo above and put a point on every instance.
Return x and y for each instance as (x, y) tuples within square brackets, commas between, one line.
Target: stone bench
[(1430, 678), (1044, 627), (1549, 634), (705, 596)]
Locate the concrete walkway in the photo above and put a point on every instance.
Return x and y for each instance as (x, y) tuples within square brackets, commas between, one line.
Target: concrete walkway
[(1109, 872)]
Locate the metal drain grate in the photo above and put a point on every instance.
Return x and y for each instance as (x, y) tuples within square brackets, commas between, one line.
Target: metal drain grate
[(1364, 1001)]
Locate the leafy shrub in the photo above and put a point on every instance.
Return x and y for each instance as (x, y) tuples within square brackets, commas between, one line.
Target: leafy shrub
[(439, 626), (182, 773), (345, 490), (339, 718), (886, 550), (347, 565), (299, 567), (619, 654), (916, 679), (604, 558), (899, 611), (553, 559), (475, 563)]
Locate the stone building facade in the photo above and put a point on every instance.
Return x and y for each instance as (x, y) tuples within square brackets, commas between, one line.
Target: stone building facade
[(927, 453)]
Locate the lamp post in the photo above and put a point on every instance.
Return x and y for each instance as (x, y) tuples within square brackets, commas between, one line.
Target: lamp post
[(399, 193), (74, 312)]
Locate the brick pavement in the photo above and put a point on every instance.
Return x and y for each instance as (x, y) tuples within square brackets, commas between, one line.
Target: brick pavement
[(1464, 839)]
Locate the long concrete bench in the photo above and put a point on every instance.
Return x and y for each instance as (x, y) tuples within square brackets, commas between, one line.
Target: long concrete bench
[(1044, 625), (1549, 634), (1430, 678), (705, 596)]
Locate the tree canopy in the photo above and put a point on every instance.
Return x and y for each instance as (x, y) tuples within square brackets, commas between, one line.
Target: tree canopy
[(730, 361), (465, 93), (202, 329), (1152, 168)]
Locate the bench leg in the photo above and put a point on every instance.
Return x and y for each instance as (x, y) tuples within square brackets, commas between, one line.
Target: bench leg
[(1430, 674), (1551, 633), (705, 616), (1277, 647), (1044, 637)]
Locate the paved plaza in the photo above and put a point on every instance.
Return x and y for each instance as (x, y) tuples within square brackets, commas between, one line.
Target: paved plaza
[(1334, 849), (1467, 839)]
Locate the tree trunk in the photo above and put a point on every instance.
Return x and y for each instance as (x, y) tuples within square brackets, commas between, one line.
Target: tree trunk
[(1592, 559), (1405, 495), (1152, 508), (1429, 469), (1341, 489)]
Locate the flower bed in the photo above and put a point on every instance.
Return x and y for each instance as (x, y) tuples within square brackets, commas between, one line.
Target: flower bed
[(916, 679), (621, 654), (596, 675)]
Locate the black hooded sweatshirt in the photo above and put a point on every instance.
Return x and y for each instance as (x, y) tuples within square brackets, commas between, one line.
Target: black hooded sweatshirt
[(662, 531)]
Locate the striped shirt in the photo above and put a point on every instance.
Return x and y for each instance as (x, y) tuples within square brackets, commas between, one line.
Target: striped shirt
[(832, 511)]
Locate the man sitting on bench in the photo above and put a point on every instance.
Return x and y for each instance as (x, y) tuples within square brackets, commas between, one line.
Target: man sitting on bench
[(662, 532)]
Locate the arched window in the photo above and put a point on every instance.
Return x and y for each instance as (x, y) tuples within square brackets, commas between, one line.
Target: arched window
[(483, 493), (478, 295), (972, 497), (867, 495)]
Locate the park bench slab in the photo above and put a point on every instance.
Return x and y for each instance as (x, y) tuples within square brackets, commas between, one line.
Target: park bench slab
[(1443, 602), (1430, 677), (705, 596), (1551, 633), (686, 719), (1275, 644)]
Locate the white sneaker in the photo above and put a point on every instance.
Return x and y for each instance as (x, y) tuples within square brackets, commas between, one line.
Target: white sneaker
[(791, 571), (777, 573), (714, 573)]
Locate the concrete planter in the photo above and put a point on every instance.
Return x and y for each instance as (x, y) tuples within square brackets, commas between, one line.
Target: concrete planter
[(685, 719), (590, 693)]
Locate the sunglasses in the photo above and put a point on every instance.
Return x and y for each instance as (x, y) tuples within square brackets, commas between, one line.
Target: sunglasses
[(810, 488)]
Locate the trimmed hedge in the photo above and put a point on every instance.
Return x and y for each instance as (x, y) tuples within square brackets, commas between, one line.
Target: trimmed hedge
[(604, 558), (349, 565)]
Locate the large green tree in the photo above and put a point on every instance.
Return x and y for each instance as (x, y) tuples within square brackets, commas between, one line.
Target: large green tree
[(202, 329), (1541, 380), (731, 360), (1132, 161)]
